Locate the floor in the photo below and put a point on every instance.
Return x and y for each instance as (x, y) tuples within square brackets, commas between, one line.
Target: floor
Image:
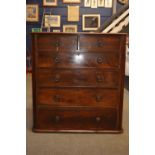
[(76, 144)]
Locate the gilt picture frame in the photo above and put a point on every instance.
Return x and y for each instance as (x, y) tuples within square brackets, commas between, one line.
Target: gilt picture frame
[(100, 3), (108, 3), (32, 12), (90, 22), (73, 14), (87, 3), (52, 21), (70, 28), (50, 3), (72, 1)]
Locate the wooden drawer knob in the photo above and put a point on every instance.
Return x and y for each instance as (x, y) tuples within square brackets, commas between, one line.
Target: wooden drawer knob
[(98, 98), (56, 98), (98, 119), (57, 60), (99, 78), (100, 44), (57, 119), (57, 78), (100, 60)]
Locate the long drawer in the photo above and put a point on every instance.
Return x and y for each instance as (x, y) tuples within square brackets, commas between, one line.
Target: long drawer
[(57, 42), (76, 119), (77, 77), (48, 59), (78, 97)]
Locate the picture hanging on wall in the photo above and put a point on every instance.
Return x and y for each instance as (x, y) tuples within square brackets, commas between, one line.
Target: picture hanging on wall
[(94, 3), (32, 13), (108, 3), (70, 28), (56, 30), (49, 2), (90, 22), (100, 3), (52, 21), (73, 13), (71, 1), (87, 3)]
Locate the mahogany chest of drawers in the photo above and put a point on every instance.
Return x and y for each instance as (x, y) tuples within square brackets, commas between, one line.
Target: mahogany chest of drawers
[(78, 82)]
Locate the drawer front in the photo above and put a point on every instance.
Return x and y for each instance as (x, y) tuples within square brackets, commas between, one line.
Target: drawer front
[(76, 119), (56, 42), (99, 43), (78, 97), (77, 77), (77, 60)]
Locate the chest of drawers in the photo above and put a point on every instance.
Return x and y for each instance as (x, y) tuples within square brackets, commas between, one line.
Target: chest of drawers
[(78, 82)]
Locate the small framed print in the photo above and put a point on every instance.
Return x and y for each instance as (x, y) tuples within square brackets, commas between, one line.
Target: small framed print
[(56, 30), (70, 28), (100, 3), (94, 3), (49, 2), (87, 3), (73, 13), (90, 22), (52, 21), (108, 3), (32, 13), (71, 1)]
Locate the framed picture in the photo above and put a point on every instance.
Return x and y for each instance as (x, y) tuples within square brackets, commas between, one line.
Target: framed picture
[(32, 13), (49, 2), (70, 28), (56, 30), (71, 1), (108, 3), (94, 3), (100, 3), (87, 3), (52, 21), (73, 13), (90, 22)]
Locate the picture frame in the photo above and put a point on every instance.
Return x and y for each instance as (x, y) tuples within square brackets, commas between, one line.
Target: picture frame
[(32, 12), (50, 3), (52, 21), (108, 3), (90, 22), (56, 30), (100, 3), (72, 1), (73, 13), (94, 3), (87, 3), (70, 28)]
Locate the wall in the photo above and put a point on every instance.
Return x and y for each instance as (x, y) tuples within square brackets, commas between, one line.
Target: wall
[(61, 10)]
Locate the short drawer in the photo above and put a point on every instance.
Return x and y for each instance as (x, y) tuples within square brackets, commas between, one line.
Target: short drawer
[(77, 60), (76, 119), (56, 42), (99, 43), (78, 97), (77, 77)]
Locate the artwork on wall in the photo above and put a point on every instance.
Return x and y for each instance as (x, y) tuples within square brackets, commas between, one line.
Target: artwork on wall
[(90, 22), (52, 21), (70, 28), (32, 13), (71, 1), (100, 3), (56, 30), (108, 3), (49, 2), (73, 13), (87, 3), (94, 3)]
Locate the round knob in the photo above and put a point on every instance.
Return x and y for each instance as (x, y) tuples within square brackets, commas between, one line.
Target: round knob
[(57, 119), (57, 44), (100, 60), (99, 78), (56, 98), (98, 119), (57, 60), (57, 78), (98, 98), (100, 44)]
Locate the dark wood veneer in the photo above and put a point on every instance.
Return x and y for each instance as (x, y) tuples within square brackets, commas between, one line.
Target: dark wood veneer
[(78, 82)]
